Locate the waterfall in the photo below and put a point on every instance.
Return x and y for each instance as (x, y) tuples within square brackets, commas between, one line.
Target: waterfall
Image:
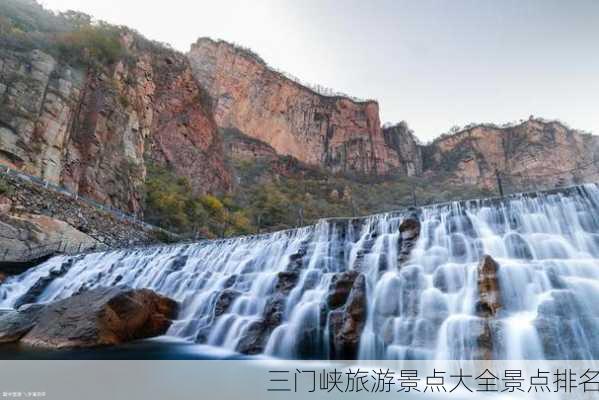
[(296, 293)]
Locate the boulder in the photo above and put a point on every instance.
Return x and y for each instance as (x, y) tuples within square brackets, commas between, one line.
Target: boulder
[(100, 317), (224, 301), (31, 295), (347, 323), (340, 288), (488, 288), (253, 341), (487, 306), (409, 232), (16, 324), (256, 335), (409, 228)]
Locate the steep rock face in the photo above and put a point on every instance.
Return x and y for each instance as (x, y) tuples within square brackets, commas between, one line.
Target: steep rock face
[(401, 139), (532, 154), (94, 130), (334, 132)]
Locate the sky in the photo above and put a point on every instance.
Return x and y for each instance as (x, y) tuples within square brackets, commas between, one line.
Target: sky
[(433, 63)]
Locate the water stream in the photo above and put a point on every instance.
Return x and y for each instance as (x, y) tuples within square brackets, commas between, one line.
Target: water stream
[(546, 245)]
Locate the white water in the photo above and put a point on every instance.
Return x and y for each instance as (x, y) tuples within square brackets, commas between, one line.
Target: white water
[(547, 246)]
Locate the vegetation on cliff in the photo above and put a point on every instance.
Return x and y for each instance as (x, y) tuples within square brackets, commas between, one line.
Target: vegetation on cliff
[(140, 107), (69, 36), (170, 203)]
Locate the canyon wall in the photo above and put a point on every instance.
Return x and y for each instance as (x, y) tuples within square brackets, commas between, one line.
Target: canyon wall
[(334, 132), (97, 127), (533, 154), (95, 130)]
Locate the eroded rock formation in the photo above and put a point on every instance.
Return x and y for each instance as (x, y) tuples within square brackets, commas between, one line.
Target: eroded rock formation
[(487, 306), (99, 317), (95, 130), (334, 132), (347, 316), (532, 154), (409, 232)]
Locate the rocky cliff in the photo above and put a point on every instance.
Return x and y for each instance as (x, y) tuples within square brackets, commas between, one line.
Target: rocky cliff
[(345, 135), (532, 154), (338, 133), (94, 130), (224, 120)]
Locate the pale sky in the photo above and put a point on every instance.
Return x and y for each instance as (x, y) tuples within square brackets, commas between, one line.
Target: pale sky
[(432, 63)]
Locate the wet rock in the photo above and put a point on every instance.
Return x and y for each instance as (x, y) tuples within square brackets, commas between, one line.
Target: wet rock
[(347, 323), (410, 228), (517, 247), (224, 301), (340, 288), (449, 278), (256, 335), (409, 232), (458, 247), (15, 324), (488, 288), (230, 281), (177, 263), (460, 224), (487, 306), (42, 283), (253, 341), (100, 317), (367, 244), (286, 280)]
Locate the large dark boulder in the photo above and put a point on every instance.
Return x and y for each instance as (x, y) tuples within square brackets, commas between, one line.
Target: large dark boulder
[(99, 317), (256, 335), (340, 287), (487, 307), (16, 324), (488, 288), (347, 323), (409, 232), (224, 300)]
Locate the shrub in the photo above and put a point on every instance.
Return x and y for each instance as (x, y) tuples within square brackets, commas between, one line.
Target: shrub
[(90, 45), (170, 204)]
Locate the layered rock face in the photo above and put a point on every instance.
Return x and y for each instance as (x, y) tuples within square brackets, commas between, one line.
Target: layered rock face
[(401, 139), (334, 132), (533, 154), (94, 130)]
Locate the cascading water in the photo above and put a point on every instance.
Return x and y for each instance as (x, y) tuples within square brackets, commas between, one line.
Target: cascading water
[(273, 293)]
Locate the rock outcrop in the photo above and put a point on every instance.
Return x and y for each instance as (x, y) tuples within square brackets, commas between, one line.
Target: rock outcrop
[(35, 216), (347, 316), (257, 334), (401, 139), (487, 306), (409, 232), (533, 154), (95, 130), (99, 317), (334, 132)]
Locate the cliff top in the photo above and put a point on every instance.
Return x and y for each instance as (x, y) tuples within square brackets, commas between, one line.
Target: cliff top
[(511, 125), (252, 55)]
